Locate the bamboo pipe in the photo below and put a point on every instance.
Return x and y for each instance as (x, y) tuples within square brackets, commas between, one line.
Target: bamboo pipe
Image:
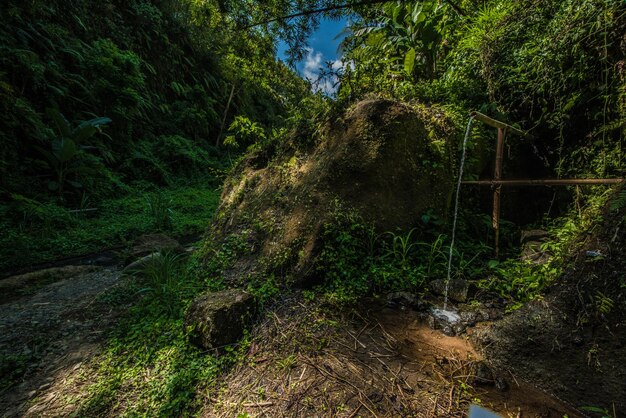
[(497, 124), (543, 182)]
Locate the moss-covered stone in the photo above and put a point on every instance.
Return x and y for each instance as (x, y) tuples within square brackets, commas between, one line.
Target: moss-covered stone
[(217, 319)]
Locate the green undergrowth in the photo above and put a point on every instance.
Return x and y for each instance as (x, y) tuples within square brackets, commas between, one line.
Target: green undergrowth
[(357, 261), (35, 232), (148, 367), (520, 281)]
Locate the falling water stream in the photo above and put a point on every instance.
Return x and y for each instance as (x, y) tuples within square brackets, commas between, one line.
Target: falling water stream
[(451, 316)]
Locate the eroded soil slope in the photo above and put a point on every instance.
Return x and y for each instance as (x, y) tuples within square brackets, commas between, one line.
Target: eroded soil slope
[(572, 341)]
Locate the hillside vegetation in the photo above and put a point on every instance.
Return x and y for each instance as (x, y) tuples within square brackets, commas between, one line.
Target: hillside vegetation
[(112, 99)]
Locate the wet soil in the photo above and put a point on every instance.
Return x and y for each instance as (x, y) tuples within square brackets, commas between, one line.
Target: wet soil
[(306, 361)]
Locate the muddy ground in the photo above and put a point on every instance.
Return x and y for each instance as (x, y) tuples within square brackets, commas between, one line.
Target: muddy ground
[(572, 340), (307, 361)]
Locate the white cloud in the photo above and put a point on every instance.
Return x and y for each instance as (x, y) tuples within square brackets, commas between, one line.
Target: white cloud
[(338, 65), (313, 64)]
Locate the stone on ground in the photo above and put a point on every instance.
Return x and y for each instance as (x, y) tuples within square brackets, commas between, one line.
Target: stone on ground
[(457, 290), (217, 319), (140, 265), (151, 243)]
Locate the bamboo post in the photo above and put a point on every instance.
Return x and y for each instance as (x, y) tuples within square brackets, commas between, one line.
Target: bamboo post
[(497, 181), (497, 175), (497, 124)]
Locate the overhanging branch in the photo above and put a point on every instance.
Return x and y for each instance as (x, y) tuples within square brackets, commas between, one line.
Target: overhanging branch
[(333, 8)]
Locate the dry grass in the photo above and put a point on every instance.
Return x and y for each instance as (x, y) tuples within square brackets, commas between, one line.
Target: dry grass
[(309, 362)]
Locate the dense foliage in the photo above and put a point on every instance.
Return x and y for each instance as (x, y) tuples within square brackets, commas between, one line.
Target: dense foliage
[(554, 67), (112, 99), (160, 71), (119, 118)]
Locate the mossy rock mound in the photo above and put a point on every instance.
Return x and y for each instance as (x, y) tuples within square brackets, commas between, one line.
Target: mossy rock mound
[(389, 162)]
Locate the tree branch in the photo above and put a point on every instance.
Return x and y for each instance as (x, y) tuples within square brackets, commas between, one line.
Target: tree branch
[(337, 7), (456, 8), (316, 11)]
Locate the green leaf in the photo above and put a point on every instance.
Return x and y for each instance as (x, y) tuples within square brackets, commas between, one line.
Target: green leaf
[(88, 128), (98, 121), (396, 12), (59, 120), (417, 11), (83, 132), (64, 149), (595, 409), (409, 61)]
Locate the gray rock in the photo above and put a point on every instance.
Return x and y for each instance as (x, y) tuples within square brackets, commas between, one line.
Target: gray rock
[(403, 300), (469, 318), (218, 319), (531, 241), (451, 329), (448, 330), (139, 265), (457, 290), (153, 243), (431, 321), (536, 235), (459, 328)]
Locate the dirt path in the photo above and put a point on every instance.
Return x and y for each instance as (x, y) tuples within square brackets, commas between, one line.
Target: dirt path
[(48, 329)]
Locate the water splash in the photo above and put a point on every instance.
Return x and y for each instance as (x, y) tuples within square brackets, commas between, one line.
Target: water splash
[(456, 210), (450, 317)]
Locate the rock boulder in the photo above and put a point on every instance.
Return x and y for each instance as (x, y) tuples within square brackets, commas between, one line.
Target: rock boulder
[(217, 319), (152, 243), (457, 291)]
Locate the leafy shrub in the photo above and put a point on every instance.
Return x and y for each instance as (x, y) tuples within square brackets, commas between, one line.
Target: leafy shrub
[(66, 153), (244, 132), (356, 261), (118, 81), (169, 157), (163, 277), (160, 70)]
